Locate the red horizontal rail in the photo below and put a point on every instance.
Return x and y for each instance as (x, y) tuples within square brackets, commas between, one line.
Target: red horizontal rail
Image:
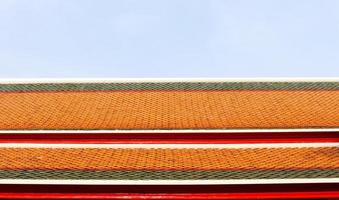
[(238, 196), (171, 138), (278, 191)]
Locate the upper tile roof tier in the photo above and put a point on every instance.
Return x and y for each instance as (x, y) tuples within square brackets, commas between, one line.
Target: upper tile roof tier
[(169, 105)]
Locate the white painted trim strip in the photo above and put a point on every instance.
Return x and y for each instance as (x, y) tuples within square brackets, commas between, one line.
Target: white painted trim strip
[(168, 182), (175, 131), (159, 80), (170, 146)]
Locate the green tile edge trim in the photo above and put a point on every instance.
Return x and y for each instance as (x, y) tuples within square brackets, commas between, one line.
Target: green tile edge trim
[(168, 175), (184, 86)]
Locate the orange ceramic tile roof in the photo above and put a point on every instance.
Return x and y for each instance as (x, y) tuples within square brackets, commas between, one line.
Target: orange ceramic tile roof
[(169, 158), (169, 105), (168, 163)]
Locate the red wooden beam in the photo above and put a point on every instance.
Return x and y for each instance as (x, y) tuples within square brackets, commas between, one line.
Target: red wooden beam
[(171, 138), (190, 192), (188, 196)]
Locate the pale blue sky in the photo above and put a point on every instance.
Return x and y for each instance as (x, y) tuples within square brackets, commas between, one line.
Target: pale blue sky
[(169, 38)]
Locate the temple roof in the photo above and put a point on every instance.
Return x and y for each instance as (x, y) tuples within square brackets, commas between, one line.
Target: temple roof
[(132, 133)]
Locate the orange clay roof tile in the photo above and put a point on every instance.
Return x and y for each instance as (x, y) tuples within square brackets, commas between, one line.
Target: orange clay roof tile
[(169, 159)]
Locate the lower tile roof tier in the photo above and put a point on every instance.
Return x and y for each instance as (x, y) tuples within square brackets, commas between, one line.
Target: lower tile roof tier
[(114, 163)]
